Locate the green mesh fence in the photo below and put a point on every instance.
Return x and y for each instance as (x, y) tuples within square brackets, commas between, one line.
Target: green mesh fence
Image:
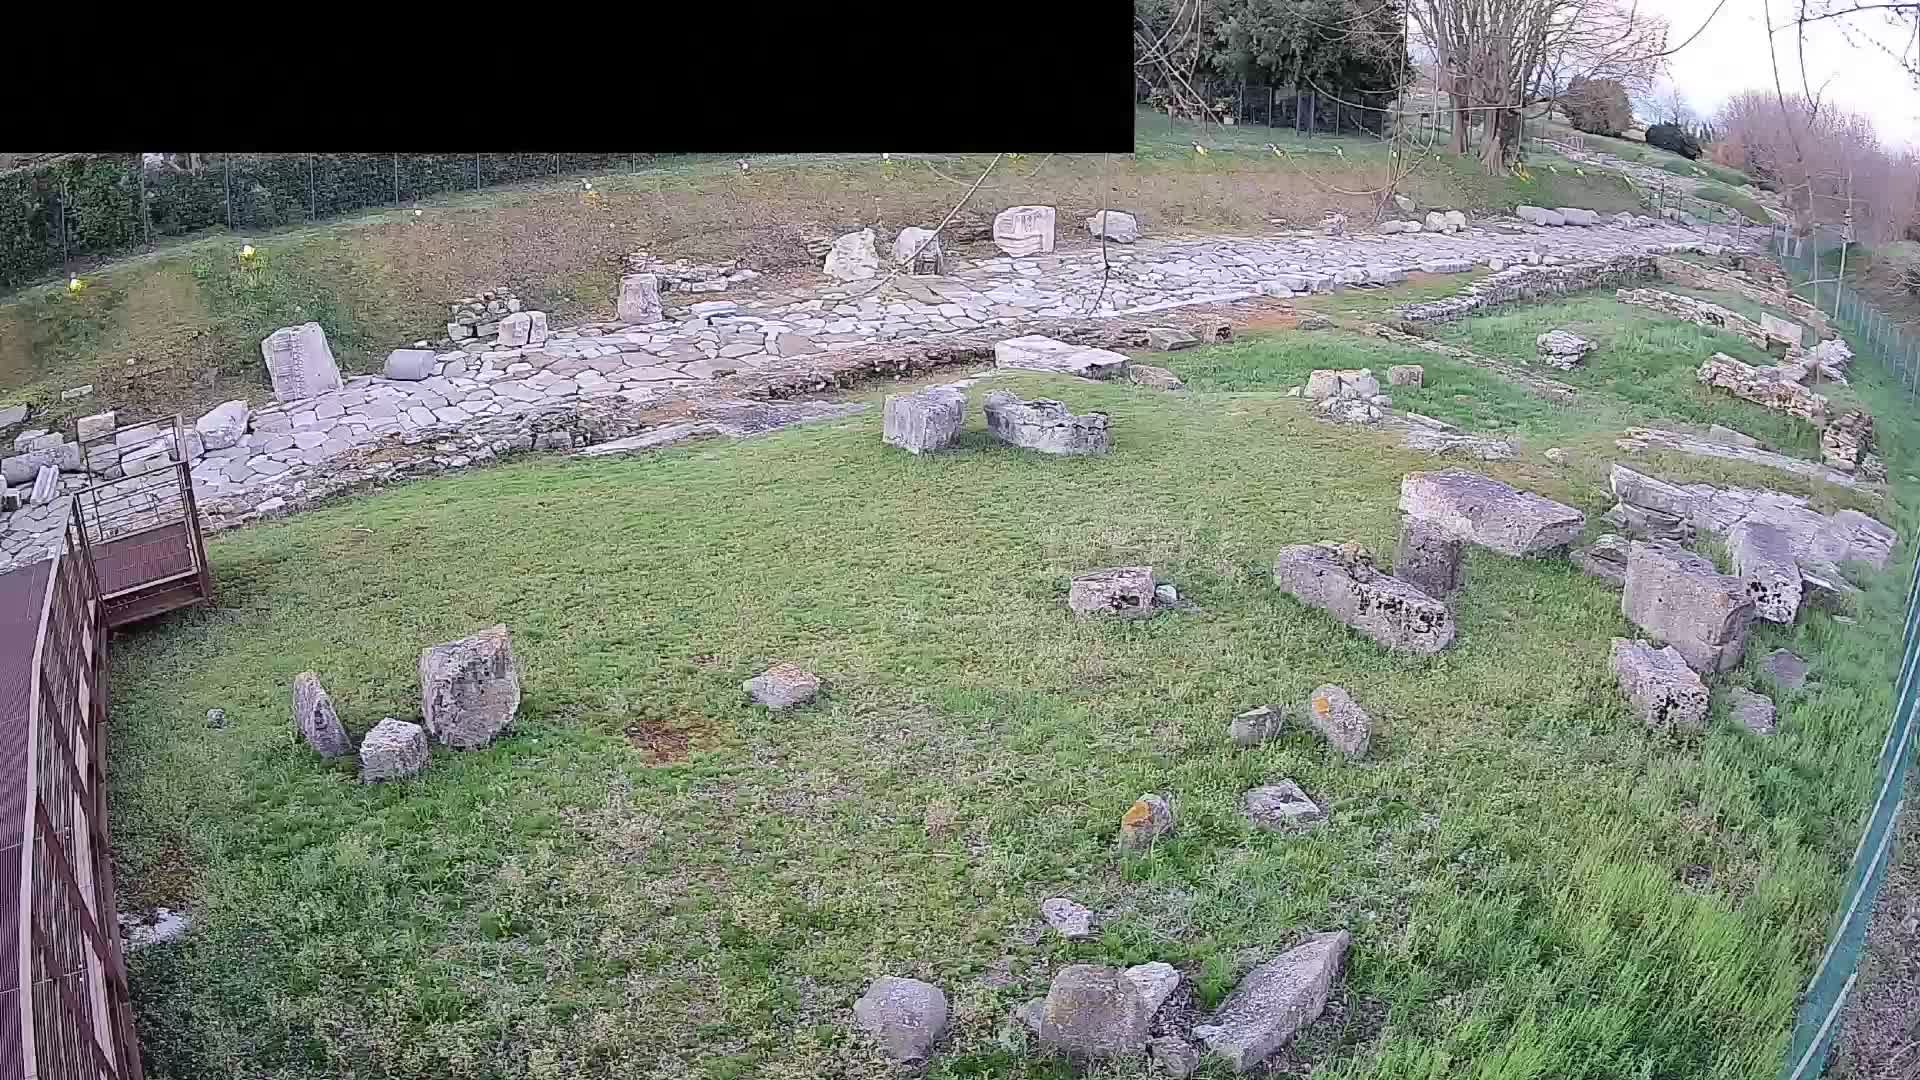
[(1820, 273)]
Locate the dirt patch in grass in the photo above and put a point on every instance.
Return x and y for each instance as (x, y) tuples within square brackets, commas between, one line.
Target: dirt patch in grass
[(661, 742), (1881, 1036)]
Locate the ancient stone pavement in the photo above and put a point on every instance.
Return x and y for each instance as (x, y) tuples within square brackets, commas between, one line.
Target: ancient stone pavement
[(717, 342)]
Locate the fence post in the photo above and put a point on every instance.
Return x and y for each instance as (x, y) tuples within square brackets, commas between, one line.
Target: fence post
[(65, 262), (313, 193), (140, 178), (226, 161), (396, 179)]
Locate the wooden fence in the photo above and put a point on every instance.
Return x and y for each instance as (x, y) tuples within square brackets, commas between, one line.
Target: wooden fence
[(64, 1012)]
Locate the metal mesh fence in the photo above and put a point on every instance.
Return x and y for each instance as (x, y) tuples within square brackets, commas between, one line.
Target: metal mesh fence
[(80, 207), (1820, 272)]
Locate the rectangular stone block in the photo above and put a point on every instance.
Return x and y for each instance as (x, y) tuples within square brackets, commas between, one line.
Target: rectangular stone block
[(299, 362), (1684, 600), (924, 421), (1024, 230)]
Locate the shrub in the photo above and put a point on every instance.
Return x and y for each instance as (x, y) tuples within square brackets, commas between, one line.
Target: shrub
[(1674, 138), (1597, 106)]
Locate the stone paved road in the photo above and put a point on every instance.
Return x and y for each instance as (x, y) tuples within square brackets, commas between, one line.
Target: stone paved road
[(770, 329)]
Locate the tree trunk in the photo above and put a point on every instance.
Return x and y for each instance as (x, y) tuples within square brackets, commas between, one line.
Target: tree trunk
[(1500, 147), (1457, 95)]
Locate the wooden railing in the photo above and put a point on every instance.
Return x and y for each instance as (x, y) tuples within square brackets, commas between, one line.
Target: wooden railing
[(75, 1021)]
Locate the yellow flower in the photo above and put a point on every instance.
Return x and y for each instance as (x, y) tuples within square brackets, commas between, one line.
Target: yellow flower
[(74, 284), (247, 252)]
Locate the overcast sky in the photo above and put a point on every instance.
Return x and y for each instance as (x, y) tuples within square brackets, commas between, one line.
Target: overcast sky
[(1731, 56)]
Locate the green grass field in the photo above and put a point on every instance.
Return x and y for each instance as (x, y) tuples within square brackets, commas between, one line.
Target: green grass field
[(1726, 196), (650, 877)]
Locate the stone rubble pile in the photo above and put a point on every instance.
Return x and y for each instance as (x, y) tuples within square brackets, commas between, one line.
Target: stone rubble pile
[(469, 693), (1562, 349), (1766, 387), (682, 276), (1820, 543), (478, 316)]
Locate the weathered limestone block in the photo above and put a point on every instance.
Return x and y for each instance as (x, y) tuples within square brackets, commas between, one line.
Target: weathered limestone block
[(1122, 591), (1046, 425), (314, 718), (853, 257), (639, 300), (1429, 558), (409, 365), (1148, 819), (1169, 338), (1280, 807), (1763, 387), (1158, 378), (1070, 920), (906, 1016), (925, 420), (1024, 230), (782, 686), (1561, 349), (1037, 353), (1763, 557), (1406, 375), (1340, 720), (1682, 599), (393, 750), (224, 425), (1847, 440), (1663, 690), (1752, 711), (1255, 726), (919, 250), (1093, 1013), (1275, 1001), (1574, 215), (1118, 226), (1484, 511), (469, 688), (46, 485), (1325, 383), (1538, 215), (1605, 558), (1782, 330), (516, 330), (89, 428), (299, 362), (1386, 609)]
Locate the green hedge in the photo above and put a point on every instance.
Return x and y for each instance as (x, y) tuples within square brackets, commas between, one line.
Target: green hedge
[(111, 203)]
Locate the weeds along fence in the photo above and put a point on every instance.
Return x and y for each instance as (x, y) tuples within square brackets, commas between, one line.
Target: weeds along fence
[(90, 206), (1820, 272), (1305, 112)]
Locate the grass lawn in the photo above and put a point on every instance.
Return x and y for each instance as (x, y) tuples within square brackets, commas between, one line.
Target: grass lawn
[(649, 877), (1726, 196)]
